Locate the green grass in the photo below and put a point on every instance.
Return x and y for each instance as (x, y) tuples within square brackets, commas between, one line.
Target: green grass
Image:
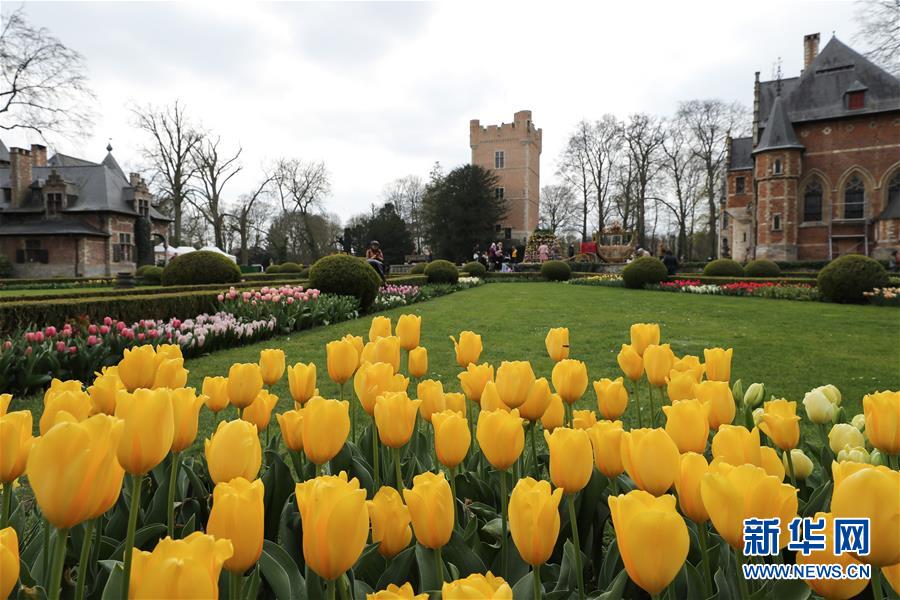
[(53, 291)]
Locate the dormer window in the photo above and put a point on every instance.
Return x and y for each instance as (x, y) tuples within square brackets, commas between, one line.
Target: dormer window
[(54, 203), (856, 100), (143, 207)]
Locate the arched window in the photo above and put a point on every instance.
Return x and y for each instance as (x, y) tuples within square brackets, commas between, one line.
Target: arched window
[(812, 201), (893, 194), (854, 198)]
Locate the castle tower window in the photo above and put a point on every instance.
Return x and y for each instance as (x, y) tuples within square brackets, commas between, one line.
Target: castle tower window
[(854, 198), (739, 184), (856, 100), (777, 168), (776, 222), (812, 201), (499, 159)]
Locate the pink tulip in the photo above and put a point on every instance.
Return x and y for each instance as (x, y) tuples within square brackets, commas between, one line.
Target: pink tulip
[(107, 321), (29, 350), (92, 329), (120, 325), (104, 330), (176, 323), (92, 340), (50, 331), (60, 346), (141, 337), (73, 349), (38, 337), (29, 337)]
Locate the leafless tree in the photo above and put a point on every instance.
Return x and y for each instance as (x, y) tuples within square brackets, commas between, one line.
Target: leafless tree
[(301, 187), (879, 28), (406, 193), (214, 171), (45, 86), (249, 216), (559, 209), (643, 135), (170, 152), (684, 172), (604, 147), (575, 168)]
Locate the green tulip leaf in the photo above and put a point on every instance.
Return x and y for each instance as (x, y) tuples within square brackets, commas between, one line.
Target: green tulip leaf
[(315, 586), (189, 527), (399, 569), (113, 588), (464, 558), (567, 576), (279, 485), (723, 586), (817, 500), (429, 579), (370, 565), (494, 528), (616, 588), (143, 538), (695, 585), (524, 588), (290, 532), (790, 589), (281, 572), (612, 565), (250, 589)]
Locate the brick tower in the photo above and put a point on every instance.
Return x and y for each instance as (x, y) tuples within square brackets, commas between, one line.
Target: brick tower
[(513, 152)]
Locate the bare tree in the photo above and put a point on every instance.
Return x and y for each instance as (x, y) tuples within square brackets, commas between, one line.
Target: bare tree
[(604, 144), (249, 216), (300, 187), (45, 85), (406, 193), (879, 28), (214, 171), (685, 175), (559, 209), (575, 168), (174, 138), (644, 137)]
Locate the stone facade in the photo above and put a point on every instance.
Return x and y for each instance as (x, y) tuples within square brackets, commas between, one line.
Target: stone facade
[(513, 152)]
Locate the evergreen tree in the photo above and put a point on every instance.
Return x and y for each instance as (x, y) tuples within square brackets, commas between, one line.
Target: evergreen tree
[(391, 231)]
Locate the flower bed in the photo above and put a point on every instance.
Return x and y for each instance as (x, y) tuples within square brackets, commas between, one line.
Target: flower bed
[(759, 289), (889, 296), (603, 279)]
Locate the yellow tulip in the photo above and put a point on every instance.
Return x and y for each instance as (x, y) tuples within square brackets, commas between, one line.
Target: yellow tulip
[(477, 587), (689, 364), (583, 419), (832, 589), (368, 353), (431, 393), (395, 418), (736, 445), (555, 414), (687, 425), (630, 362), (612, 397), (680, 385), (650, 458), (892, 575), (260, 410), (417, 362), (514, 380), (167, 352), (474, 378), (58, 386), (342, 359), (571, 458), (643, 335), (302, 382), (490, 398), (872, 493), (244, 384), (103, 393), (534, 519), (73, 467), (15, 443), (170, 373), (882, 411), (186, 411), (732, 494), (215, 392), (380, 327), (781, 423), (468, 348), (859, 454), (291, 424), (844, 434), (370, 381), (652, 538), (537, 401), (394, 592), (570, 379), (76, 404), (430, 503), (803, 465), (271, 365), (358, 344), (717, 363), (691, 469), (557, 343), (233, 451), (179, 569), (137, 369), (771, 463), (326, 425), (238, 514), (456, 402), (149, 428), (390, 522), (9, 561), (606, 442), (717, 395), (658, 361), (409, 328), (451, 437), (387, 350), (5, 400), (500, 437)]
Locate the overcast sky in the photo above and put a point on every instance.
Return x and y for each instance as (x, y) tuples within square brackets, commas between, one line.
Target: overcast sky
[(380, 90)]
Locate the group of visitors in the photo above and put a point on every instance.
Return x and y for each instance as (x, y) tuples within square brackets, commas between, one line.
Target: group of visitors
[(496, 257), (666, 256)]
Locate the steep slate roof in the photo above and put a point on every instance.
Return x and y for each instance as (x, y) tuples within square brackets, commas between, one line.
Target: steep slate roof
[(51, 227), (779, 133), (4, 152), (741, 154), (63, 160), (110, 163)]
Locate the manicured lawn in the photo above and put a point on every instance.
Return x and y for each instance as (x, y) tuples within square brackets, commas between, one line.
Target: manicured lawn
[(53, 291)]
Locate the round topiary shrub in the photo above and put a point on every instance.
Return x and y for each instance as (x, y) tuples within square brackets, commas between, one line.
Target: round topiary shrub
[(723, 267), (846, 278), (200, 267), (556, 270), (762, 268), (418, 269), (290, 267), (441, 271), (150, 274), (647, 270), (474, 268), (304, 273), (273, 268), (346, 275)]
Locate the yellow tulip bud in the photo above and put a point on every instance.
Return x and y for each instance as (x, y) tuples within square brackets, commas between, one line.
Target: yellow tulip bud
[(149, 428), (717, 395), (186, 411), (882, 411), (474, 378), (612, 397), (857, 454), (490, 398), (342, 360), (137, 369), (244, 384), (483, 587), (771, 463), (500, 436), (652, 538), (534, 519), (387, 350), (514, 380), (803, 466), (754, 395), (380, 327), (630, 362), (326, 425), (606, 442), (260, 410), (291, 424), (832, 589), (456, 402), (417, 362), (431, 393), (844, 434), (233, 451), (691, 469), (583, 419), (570, 379), (650, 458), (468, 348), (430, 503), (451, 437), (819, 408), (409, 328), (73, 467), (687, 425), (658, 361), (170, 373), (271, 365), (557, 343), (76, 404), (394, 592), (555, 414), (757, 415), (180, 569), (5, 400), (104, 391), (302, 382), (781, 423), (737, 446), (15, 443), (238, 514), (872, 493), (390, 522), (537, 401), (680, 385), (732, 494), (859, 421), (571, 458), (358, 344), (9, 561), (689, 364), (395, 418), (643, 335), (718, 364), (215, 392)]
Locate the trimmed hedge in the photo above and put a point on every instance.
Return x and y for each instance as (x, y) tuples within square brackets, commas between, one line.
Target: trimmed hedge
[(200, 267), (150, 274), (91, 281), (346, 275), (647, 270), (762, 268), (418, 269), (418, 280), (720, 280), (441, 271), (556, 270), (474, 268), (290, 267), (723, 267), (846, 278)]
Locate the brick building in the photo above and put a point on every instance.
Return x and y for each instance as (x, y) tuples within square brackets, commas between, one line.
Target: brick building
[(513, 152), (820, 175), (69, 217)]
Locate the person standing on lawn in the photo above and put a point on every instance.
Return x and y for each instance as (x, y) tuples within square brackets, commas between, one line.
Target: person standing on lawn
[(671, 262)]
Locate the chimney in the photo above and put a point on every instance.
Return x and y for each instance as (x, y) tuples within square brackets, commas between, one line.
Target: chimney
[(38, 155), (134, 179), (810, 49), (19, 175)]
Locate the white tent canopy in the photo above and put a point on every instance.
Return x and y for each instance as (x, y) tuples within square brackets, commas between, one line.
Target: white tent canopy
[(164, 253)]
